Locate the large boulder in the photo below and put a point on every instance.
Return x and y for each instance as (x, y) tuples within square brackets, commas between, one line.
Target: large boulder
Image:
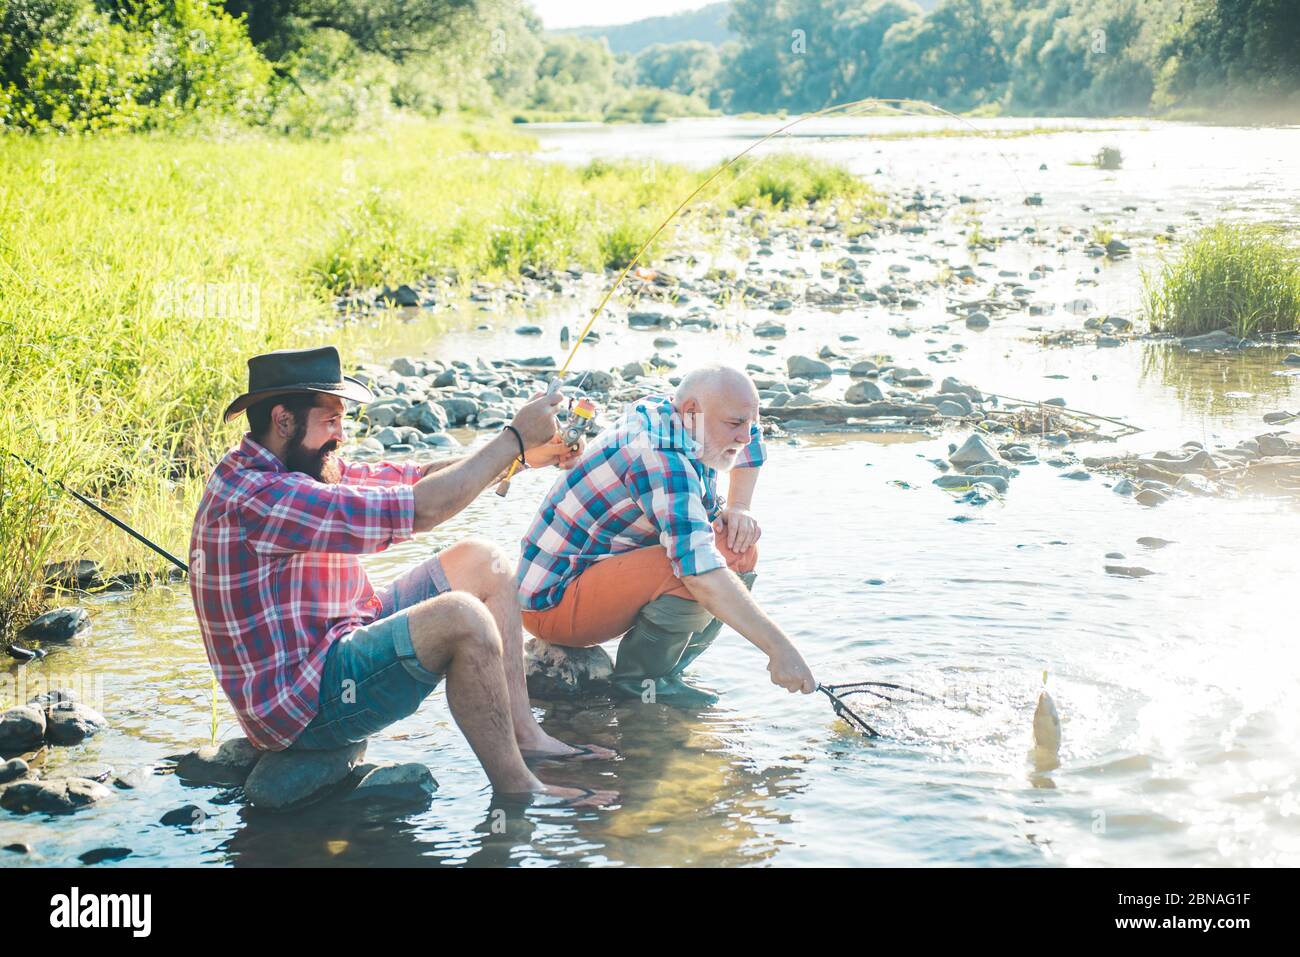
[(225, 765), (13, 770), (553, 671), (291, 778)]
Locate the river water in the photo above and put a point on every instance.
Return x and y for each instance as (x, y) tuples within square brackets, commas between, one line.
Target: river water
[(1176, 691)]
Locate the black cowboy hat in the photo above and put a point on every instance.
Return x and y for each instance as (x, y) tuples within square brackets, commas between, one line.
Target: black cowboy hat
[(297, 370)]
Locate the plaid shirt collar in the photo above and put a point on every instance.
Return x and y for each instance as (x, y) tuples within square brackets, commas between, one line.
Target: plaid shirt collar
[(258, 456)]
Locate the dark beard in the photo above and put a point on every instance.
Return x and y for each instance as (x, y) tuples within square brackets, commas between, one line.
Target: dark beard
[(322, 465)]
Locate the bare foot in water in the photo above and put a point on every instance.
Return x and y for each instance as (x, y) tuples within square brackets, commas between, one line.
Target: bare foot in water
[(566, 797), (543, 747)]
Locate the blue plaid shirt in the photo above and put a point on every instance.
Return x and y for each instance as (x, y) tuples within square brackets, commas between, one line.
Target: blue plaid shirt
[(640, 483)]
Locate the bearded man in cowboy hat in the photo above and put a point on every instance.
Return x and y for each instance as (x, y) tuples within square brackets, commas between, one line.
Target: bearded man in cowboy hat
[(311, 656)]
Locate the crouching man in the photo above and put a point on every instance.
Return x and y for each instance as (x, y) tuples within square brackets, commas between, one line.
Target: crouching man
[(311, 656), (634, 541)]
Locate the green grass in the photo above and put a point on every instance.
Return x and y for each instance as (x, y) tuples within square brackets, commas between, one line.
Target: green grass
[(138, 273), (1245, 279)]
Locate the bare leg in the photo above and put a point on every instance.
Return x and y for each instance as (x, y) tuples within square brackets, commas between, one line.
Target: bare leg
[(454, 635), (487, 573)]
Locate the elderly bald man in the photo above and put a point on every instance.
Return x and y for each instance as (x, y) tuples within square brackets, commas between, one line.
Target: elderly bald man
[(634, 541)]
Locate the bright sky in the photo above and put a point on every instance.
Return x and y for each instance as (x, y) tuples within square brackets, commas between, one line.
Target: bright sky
[(557, 14)]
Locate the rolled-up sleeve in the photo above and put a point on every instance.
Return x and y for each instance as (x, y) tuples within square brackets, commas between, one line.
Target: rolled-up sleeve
[(295, 513), (755, 453), (381, 473), (669, 492)]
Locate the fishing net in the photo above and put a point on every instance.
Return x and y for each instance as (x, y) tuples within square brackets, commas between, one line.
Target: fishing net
[(880, 690)]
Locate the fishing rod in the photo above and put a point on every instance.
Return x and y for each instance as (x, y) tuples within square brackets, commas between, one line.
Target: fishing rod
[(105, 514)]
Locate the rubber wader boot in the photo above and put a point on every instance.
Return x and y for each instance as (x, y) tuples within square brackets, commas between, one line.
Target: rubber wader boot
[(671, 654), (701, 640), (653, 646)]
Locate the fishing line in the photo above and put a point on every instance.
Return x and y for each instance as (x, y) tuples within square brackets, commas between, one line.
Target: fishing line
[(852, 108)]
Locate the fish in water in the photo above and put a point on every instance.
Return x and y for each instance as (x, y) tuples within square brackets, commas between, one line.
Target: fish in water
[(1047, 725)]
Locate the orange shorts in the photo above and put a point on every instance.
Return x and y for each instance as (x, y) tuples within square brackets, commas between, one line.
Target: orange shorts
[(602, 602)]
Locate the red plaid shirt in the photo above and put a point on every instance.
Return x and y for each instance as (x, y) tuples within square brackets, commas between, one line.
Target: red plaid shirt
[(276, 580)]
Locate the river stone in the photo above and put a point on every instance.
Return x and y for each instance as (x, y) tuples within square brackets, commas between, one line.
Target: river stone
[(862, 368), (806, 368), (403, 296), (975, 452), (385, 411), (57, 625), (594, 380), (284, 779), (457, 412), (977, 320), (403, 783), (187, 815), (59, 796), (226, 765), (21, 729), (553, 671), (387, 437), (1151, 497), (426, 416), (1219, 339), (862, 392), (770, 329), (995, 482), (13, 770), (1128, 571), (953, 385), (634, 370), (72, 725)]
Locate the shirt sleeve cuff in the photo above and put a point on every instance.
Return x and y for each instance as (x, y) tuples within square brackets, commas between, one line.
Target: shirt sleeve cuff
[(698, 562), (404, 513)]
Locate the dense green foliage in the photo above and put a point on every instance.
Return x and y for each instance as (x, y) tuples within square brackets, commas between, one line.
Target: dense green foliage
[(1024, 56), (321, 67), (1047, 56)]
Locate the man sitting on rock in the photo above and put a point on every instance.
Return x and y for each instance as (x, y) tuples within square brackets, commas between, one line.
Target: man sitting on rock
[(634, 541), (309, 654)]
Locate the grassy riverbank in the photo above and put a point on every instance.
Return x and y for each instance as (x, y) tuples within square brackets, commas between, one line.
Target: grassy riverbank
[(137, 273), (1245, 279)]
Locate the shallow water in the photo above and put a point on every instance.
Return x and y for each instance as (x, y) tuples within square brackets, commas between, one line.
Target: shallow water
[(1176, 691)]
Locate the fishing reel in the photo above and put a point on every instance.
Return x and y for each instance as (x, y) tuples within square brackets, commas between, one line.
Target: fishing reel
[(577, 422)]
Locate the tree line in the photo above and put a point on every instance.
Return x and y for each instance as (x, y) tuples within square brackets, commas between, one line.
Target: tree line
[(324, 66)]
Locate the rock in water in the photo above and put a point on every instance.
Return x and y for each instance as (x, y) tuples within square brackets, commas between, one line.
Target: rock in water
[(57, 625), (1047, 725), (21, 729), (52, 797), (13, 770), (802, 367), (72, 725), (225, 766), (404, 783), (975, 452), (284, 779), (553, 671)]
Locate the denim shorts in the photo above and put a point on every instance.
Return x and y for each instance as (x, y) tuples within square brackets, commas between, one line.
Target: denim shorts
[(372, 677)]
